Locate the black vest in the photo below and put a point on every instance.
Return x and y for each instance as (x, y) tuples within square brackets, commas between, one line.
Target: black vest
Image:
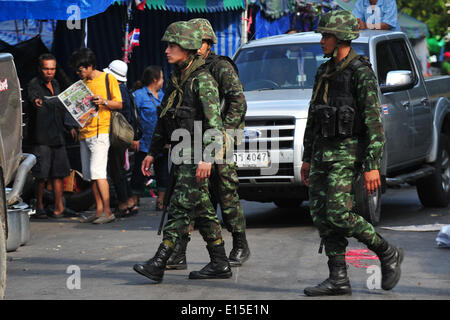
[(342, 99), (189, 111)]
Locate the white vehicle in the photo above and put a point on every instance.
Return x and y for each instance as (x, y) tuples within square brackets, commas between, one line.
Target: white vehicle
[(278, 76)]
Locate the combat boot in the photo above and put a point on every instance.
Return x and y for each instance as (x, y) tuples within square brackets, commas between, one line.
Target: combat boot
[(240, 252), (390, 259), (337, 283), (218, 268), (177, 260), (154, 268)]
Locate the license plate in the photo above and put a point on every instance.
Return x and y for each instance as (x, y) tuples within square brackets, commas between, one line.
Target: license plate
[(251, 159)]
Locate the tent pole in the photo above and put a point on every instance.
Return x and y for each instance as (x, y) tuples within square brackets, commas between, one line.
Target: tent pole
[(244, 24)]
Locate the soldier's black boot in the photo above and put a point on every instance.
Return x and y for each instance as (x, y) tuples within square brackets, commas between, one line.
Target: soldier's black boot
[(390, 259), (218, 268), (240, 252), (177, 260), (154, 268), (338, 282)]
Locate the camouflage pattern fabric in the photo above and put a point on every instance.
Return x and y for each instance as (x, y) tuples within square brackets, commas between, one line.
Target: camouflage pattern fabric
[(372, 142), (206, 29), (334, 165), (331, 200), (343, 24), (191, 201), (233, 114), (184, 34)]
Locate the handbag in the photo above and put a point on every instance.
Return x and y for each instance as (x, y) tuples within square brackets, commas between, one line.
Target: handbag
[(121, 133)]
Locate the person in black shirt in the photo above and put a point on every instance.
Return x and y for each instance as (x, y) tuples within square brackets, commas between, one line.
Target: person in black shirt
[(49, 143)]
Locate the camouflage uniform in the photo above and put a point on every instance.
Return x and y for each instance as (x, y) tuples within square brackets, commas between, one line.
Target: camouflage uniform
[(231, 92), (336, 161), (334, 164), (192, 96), (189, 197)]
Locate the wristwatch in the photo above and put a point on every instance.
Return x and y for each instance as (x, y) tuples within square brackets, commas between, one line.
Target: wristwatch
[(106, 102)]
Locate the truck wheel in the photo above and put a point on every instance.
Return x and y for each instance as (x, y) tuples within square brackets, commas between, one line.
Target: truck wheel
[(288, 203), (434, 190), (77, 201), (367, 206), (3, 215)]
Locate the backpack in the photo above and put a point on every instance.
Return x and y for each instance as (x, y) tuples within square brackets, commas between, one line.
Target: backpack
[(121, 133)]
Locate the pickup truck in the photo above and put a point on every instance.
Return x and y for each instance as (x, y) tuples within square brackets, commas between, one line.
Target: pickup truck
[(14, 165), (278, 75)]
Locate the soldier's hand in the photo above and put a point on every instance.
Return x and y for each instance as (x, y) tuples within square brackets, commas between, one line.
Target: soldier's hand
[(203, 171), (372, 181), (304, 172), (145, 167)]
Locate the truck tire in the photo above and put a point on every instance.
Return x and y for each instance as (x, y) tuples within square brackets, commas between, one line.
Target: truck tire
[(3, 215), (77, 201), (367, 206), (2, 261), (434, 190)]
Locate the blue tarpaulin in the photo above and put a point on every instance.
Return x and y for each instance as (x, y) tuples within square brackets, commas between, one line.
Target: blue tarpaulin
[(51, 9)]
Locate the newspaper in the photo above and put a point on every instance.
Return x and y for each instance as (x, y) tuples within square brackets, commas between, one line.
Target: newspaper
[(77, 100)]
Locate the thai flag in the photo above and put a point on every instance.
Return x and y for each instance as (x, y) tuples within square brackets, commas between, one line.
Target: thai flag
[(140, 4), (133, 38)]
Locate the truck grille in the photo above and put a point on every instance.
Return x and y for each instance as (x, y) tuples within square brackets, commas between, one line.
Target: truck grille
[(268, 134)]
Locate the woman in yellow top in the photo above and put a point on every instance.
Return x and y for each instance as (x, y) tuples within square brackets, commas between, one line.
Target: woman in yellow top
[(94, 136)]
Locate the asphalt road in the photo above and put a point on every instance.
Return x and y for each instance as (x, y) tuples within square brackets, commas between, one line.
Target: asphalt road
[(69, 260)]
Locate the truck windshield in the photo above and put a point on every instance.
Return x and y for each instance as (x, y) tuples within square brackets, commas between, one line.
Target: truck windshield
[(289, 66)]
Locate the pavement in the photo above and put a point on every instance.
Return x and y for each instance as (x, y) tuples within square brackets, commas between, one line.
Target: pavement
[(69, 260)]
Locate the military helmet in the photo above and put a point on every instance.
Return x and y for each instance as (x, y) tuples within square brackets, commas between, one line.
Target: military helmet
[(206, 29), (183, 34), (341, 23)]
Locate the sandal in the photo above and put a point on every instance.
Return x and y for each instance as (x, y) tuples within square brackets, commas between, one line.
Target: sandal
[(122, 213), (134, 209)]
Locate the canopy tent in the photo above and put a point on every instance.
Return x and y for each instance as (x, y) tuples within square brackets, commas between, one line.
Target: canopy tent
[(413, 28), (51, 9)]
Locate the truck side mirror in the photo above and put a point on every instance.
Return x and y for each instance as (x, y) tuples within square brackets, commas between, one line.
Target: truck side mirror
[(398, 80)]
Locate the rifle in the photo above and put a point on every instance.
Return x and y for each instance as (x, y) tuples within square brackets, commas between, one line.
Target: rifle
[(167, 197)]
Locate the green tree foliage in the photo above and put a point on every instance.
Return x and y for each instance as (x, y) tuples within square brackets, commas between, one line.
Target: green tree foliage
[(431, 12)]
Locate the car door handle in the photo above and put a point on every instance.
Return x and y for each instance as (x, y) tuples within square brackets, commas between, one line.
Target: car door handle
[(405, 104), (424, 101)]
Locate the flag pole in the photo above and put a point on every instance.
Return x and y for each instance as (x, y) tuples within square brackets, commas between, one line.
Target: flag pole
[(127, 30)]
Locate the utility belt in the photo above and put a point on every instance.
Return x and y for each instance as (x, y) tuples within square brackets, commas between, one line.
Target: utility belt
[(336, 122)]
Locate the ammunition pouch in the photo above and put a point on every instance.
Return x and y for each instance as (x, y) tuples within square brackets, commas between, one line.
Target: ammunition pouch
[(326, 119), (185, 118), (335, 121), (346, 120)]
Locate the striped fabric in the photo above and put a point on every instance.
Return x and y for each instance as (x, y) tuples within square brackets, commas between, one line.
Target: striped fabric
[(228, 32), (193, 5)]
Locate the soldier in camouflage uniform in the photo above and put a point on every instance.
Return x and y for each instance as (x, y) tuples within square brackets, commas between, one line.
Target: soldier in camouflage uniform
[(225, 179), (344, 137), (191, 96)]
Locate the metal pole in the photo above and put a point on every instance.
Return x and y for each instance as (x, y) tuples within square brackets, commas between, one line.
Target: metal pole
[(244, 24)]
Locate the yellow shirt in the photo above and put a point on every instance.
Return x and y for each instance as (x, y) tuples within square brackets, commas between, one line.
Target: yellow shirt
[(100, 123)]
